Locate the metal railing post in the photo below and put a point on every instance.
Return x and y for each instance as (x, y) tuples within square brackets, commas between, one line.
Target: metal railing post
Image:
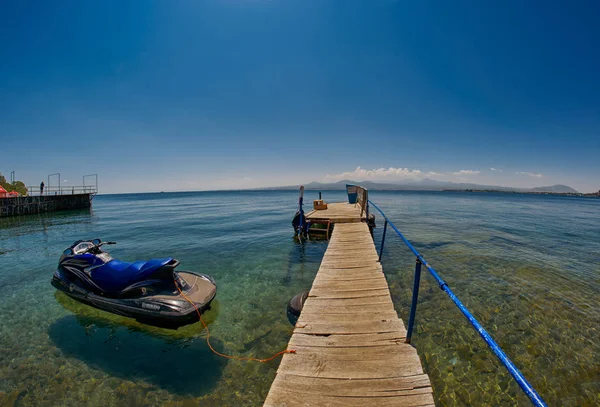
[(48, 187), (382, 241), (415, 297)]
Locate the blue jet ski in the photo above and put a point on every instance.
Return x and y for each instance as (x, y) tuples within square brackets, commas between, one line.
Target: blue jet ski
[(148, 291)]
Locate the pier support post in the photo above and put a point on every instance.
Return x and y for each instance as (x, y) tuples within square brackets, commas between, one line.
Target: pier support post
[(382, 241), (415, 297)]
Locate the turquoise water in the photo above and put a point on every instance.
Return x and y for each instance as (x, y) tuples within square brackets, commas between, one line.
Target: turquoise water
[(527, 266)]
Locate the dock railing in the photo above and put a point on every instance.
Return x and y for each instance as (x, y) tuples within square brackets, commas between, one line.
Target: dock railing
[(362, 199), (512, 369), (62, 190)]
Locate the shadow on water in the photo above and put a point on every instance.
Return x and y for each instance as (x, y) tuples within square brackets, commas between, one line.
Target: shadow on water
[(182, 366), (24, 224), (303, 254), (184, 332)]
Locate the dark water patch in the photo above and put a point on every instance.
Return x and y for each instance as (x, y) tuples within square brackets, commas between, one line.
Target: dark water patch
[(22, 225), (185, 367), (302, 259), (504, 241), (431, 245)]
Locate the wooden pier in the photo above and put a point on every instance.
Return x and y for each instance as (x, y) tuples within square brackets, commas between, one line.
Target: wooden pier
[(350, 344)]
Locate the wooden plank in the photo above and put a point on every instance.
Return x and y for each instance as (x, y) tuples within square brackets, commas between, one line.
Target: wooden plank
[(314, 362), (353, 247), (336, 302), (328, 293), (351, 240), (354, 353), (344, 317), (343, 263), (349, 274), (395, 386), (373, 271), (348, 327), (350, 249), (318, 307), (344, 341), (337, 284), (352, 292), (359, 266), (356, 270), (366, 255), (364, 245), (283, 398), (362, 276)]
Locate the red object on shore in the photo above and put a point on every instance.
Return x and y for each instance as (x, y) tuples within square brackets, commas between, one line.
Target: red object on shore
[(5, 194)]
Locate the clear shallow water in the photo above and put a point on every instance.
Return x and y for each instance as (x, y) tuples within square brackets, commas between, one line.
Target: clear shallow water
[(527, 266)]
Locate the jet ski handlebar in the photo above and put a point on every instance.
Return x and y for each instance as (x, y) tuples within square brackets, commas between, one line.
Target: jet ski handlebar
[(103, 243), (97, 246)]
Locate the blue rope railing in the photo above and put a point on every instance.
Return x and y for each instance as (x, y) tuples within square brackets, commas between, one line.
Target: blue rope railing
[(512, 369)]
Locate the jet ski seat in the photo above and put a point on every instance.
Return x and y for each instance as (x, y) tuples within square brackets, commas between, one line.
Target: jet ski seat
[(116, 275)]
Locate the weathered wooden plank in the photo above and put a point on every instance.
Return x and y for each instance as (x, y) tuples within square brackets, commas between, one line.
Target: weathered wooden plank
[(353, 231), (352, 245), (356, 234), (350, 252), (319, 317), (288, 399), (310, 363), (343, 263), (344, 247), (365, 256), (352, 228), (349, 274), (340, 274), (396, 350), (359, 267), (342, 292), (376, 282), (357, 340), (363, 276), (396, 386), (348, 327), (354, 237), (320, 307), (336, 302), (327, 293)]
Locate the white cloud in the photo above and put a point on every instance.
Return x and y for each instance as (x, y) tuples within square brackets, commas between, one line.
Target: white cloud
[(361, 174), (495, 169), (392, 174), (530, 174), (466, 172)]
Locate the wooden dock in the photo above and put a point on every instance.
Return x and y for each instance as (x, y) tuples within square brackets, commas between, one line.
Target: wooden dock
[(338, 212), (349, 341)]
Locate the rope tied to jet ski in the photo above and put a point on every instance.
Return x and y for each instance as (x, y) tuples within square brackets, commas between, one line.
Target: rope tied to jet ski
[(219, 353)]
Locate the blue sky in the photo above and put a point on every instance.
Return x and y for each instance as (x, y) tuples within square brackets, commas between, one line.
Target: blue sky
[(192, 95)]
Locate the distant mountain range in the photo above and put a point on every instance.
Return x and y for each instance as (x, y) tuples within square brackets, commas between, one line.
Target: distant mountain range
[(428, 185)]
